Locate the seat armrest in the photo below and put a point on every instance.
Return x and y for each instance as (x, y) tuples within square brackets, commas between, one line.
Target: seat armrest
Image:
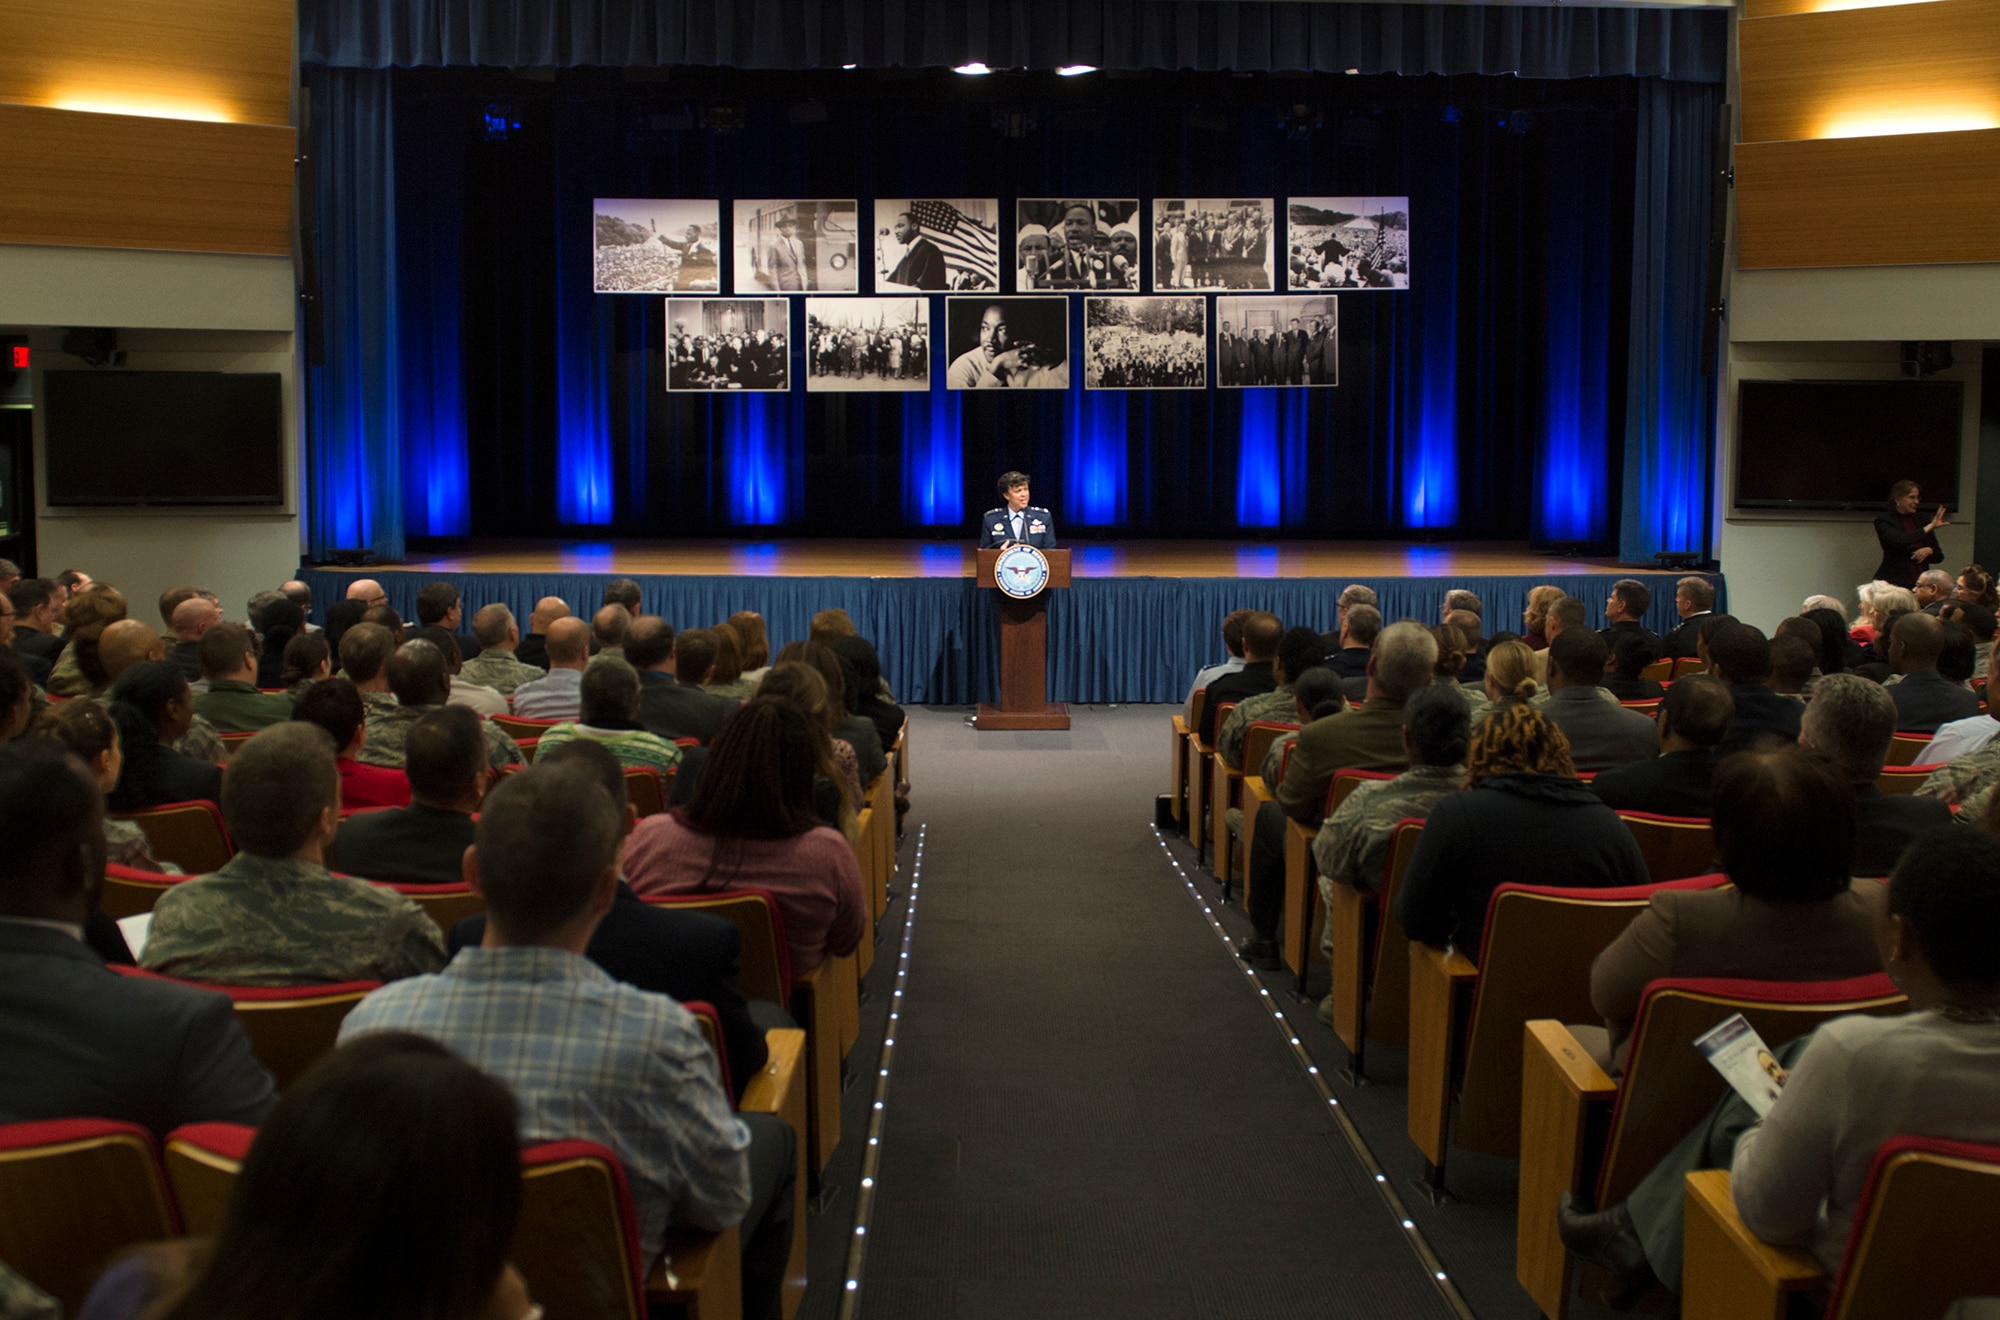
[(1560, 1087), (1728, 1272), (1439, 980)]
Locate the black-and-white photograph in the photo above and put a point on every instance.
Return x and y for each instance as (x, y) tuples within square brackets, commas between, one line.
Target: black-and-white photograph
[(1145, 343), (937, 245), (1006, 343), (1212, 243), (1078, 244), (867, 344), (796, 247), (729, 344), (657, 245), (1348, 243), (1277, 341)]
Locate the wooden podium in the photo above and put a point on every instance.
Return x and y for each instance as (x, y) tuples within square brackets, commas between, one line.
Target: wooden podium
[(1024, 652)]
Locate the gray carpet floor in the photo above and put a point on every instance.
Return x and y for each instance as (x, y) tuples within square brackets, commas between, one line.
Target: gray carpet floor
[(1091, 1111)]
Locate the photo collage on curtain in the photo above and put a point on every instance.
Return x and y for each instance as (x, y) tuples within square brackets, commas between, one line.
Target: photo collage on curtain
[(1146, 314)]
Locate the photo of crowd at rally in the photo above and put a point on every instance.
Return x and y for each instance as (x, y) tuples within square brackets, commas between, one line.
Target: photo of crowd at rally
[(1145, 343), (1349, 243), (867, 344), (937, 245), (729, 344), (1076, 244), (656, 245), (1277, 341), (1212, 243)]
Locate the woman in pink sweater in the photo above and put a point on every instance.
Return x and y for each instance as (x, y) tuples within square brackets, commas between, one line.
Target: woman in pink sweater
[(751, 825)]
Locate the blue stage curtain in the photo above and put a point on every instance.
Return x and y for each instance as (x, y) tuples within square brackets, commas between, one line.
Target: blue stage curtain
[(1669, 401), (355, 402), (1205, 35), (1573, 453), (1110, 639)]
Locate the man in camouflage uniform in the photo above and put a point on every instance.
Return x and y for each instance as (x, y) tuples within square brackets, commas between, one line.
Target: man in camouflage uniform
[(496, 666), (417, 678), (1968, 781), (1298, 651), (1352, 847), (274, 915)]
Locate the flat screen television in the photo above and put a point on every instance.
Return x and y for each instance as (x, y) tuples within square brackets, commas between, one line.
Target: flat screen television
[(1840, 444), (163, 438)]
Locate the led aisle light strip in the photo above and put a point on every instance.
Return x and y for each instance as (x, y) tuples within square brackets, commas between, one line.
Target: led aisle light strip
[(871, 1154), (1317, 1077)]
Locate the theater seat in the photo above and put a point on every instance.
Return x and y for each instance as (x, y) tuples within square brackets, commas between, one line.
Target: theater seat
[(647, 789), (524, 730), (447, 905), (290, 1026), (1298, 941), (1903, 778), (1370, 949), (202, 1161), (1908, 748), (129, 891), (191, 835), (1674, 847), (1922, 1239), (75, 1192)]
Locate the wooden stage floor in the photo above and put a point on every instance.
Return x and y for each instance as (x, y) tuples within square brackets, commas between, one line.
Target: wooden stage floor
[(947, 559)]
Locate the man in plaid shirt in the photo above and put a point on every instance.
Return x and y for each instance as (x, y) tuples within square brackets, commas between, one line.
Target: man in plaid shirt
[(588, 1057)]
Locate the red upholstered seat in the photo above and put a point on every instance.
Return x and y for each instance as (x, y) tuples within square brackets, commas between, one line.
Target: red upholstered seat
[(129, 891), (202, 1162), (1674, 847), (191, 835), (75, 1192), (289, 1025)]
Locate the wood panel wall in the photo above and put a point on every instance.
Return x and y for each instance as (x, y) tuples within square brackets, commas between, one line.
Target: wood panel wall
[(203, 161), (1844, 158)]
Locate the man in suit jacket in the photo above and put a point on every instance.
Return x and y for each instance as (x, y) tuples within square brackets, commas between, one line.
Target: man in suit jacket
[(784, 264), (1263, 360), (79, 1039), (1262, 632), (1292, 355), (1849, 724), (1360, 625), (1367, 739), (1694, 600), (1623, 611), (1016, 519), (1601, 733), (1694, 717), (1924, 698), (922, 266), (1229, 356), (1322, 356), (425, 842), (672, 671), (1741, 656)]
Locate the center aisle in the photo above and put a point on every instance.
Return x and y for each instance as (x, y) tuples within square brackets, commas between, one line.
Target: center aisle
[(1090, 1114)]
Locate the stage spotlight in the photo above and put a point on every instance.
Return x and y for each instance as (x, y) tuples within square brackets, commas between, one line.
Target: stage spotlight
[(974, 68), (1072, 70), (850, 66)]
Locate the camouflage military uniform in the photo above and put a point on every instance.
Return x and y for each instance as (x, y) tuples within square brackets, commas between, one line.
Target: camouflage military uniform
[(1968, 781), (287, 921), (500, 671), (388, 728), (1352, 847), (1275, 706), (66, 679), (203, 743)]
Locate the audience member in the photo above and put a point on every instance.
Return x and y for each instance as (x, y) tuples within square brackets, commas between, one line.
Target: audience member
[(1976, 585), (417, 680), (438, 607), (861, 673), (232, 702), (497, 666), (609, 714), (1694, 601), (534, 649), (1351, 595), (78, 1038), (587, 1057), (752, 825), (668, 707), (1459, 599), (273, 914), (34, 602), (1960, 737), (1535, 618), (837, 790), (1601, 734), (607, 631), (340, 616), (151, 705), (364, 653), (1785, 834), (1510, 675), (1956, 661), (1694, 719), (677, 952), (481, 700), (1792, 666), (727, 680), (385, 616), (828, 626), (334, 704), (1625, 613), (557, 694), (1837, 651), (1232, 645), (1565, 613), (1370, 738), (1924, 698), (1318, 693), (1632, 650), (1933, 588), (37, 669), (386, 1183), (299, 594), (1740, 656), (1472, 674), (1261, 634), (1977, 620), (856, 729), (367, 593), (1299, 649), (625, 592), (756, 639), (1524, 819), (259, 605), (282, 621), (17, 697), (1360, 625), (423, 843), (1879, 603), (1849, 724), (307, 660), (117, 647), (86, 728)]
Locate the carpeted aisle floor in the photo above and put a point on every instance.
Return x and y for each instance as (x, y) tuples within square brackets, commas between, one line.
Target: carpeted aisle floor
[(1090, 1114)]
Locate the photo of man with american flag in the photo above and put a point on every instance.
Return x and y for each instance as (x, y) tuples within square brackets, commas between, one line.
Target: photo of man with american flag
[(937, 245)]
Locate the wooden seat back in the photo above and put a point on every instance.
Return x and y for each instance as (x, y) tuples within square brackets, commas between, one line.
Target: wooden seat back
[(1903, 778), (1674, 847), (127, 891), (74, 1192), (447, 905), (1257, 744), (1534, 962), (291, 1026), (577, 1240), (1908, 748), (1923, 1232), (1649, 707), (1659, 671), (647, 789), (522, 729), (1345, 782), (710, 1022), (232, 741), (764, 966), (1389, 996), (1688, 664), (191, 835), (202, 1162)]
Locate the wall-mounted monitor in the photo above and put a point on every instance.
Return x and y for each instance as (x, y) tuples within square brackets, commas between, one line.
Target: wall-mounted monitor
[(1840, 444), (154, 438)]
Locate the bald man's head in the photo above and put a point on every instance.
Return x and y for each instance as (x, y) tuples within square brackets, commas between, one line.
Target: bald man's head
[(1916, 643), (193, 617), (568, 643), (368, 591), (547, 610), (608, 625), (126, 643)]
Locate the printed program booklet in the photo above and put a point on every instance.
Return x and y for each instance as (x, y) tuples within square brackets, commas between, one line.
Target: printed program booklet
[(1736, 1051)]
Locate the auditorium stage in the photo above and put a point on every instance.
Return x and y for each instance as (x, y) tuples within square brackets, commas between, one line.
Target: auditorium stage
[(1142, 617)]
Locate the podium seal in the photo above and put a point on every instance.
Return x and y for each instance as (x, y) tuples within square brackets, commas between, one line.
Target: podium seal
[(1021, 572)]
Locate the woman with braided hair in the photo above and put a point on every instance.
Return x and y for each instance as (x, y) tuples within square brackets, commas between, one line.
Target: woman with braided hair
[(1524, 818)]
